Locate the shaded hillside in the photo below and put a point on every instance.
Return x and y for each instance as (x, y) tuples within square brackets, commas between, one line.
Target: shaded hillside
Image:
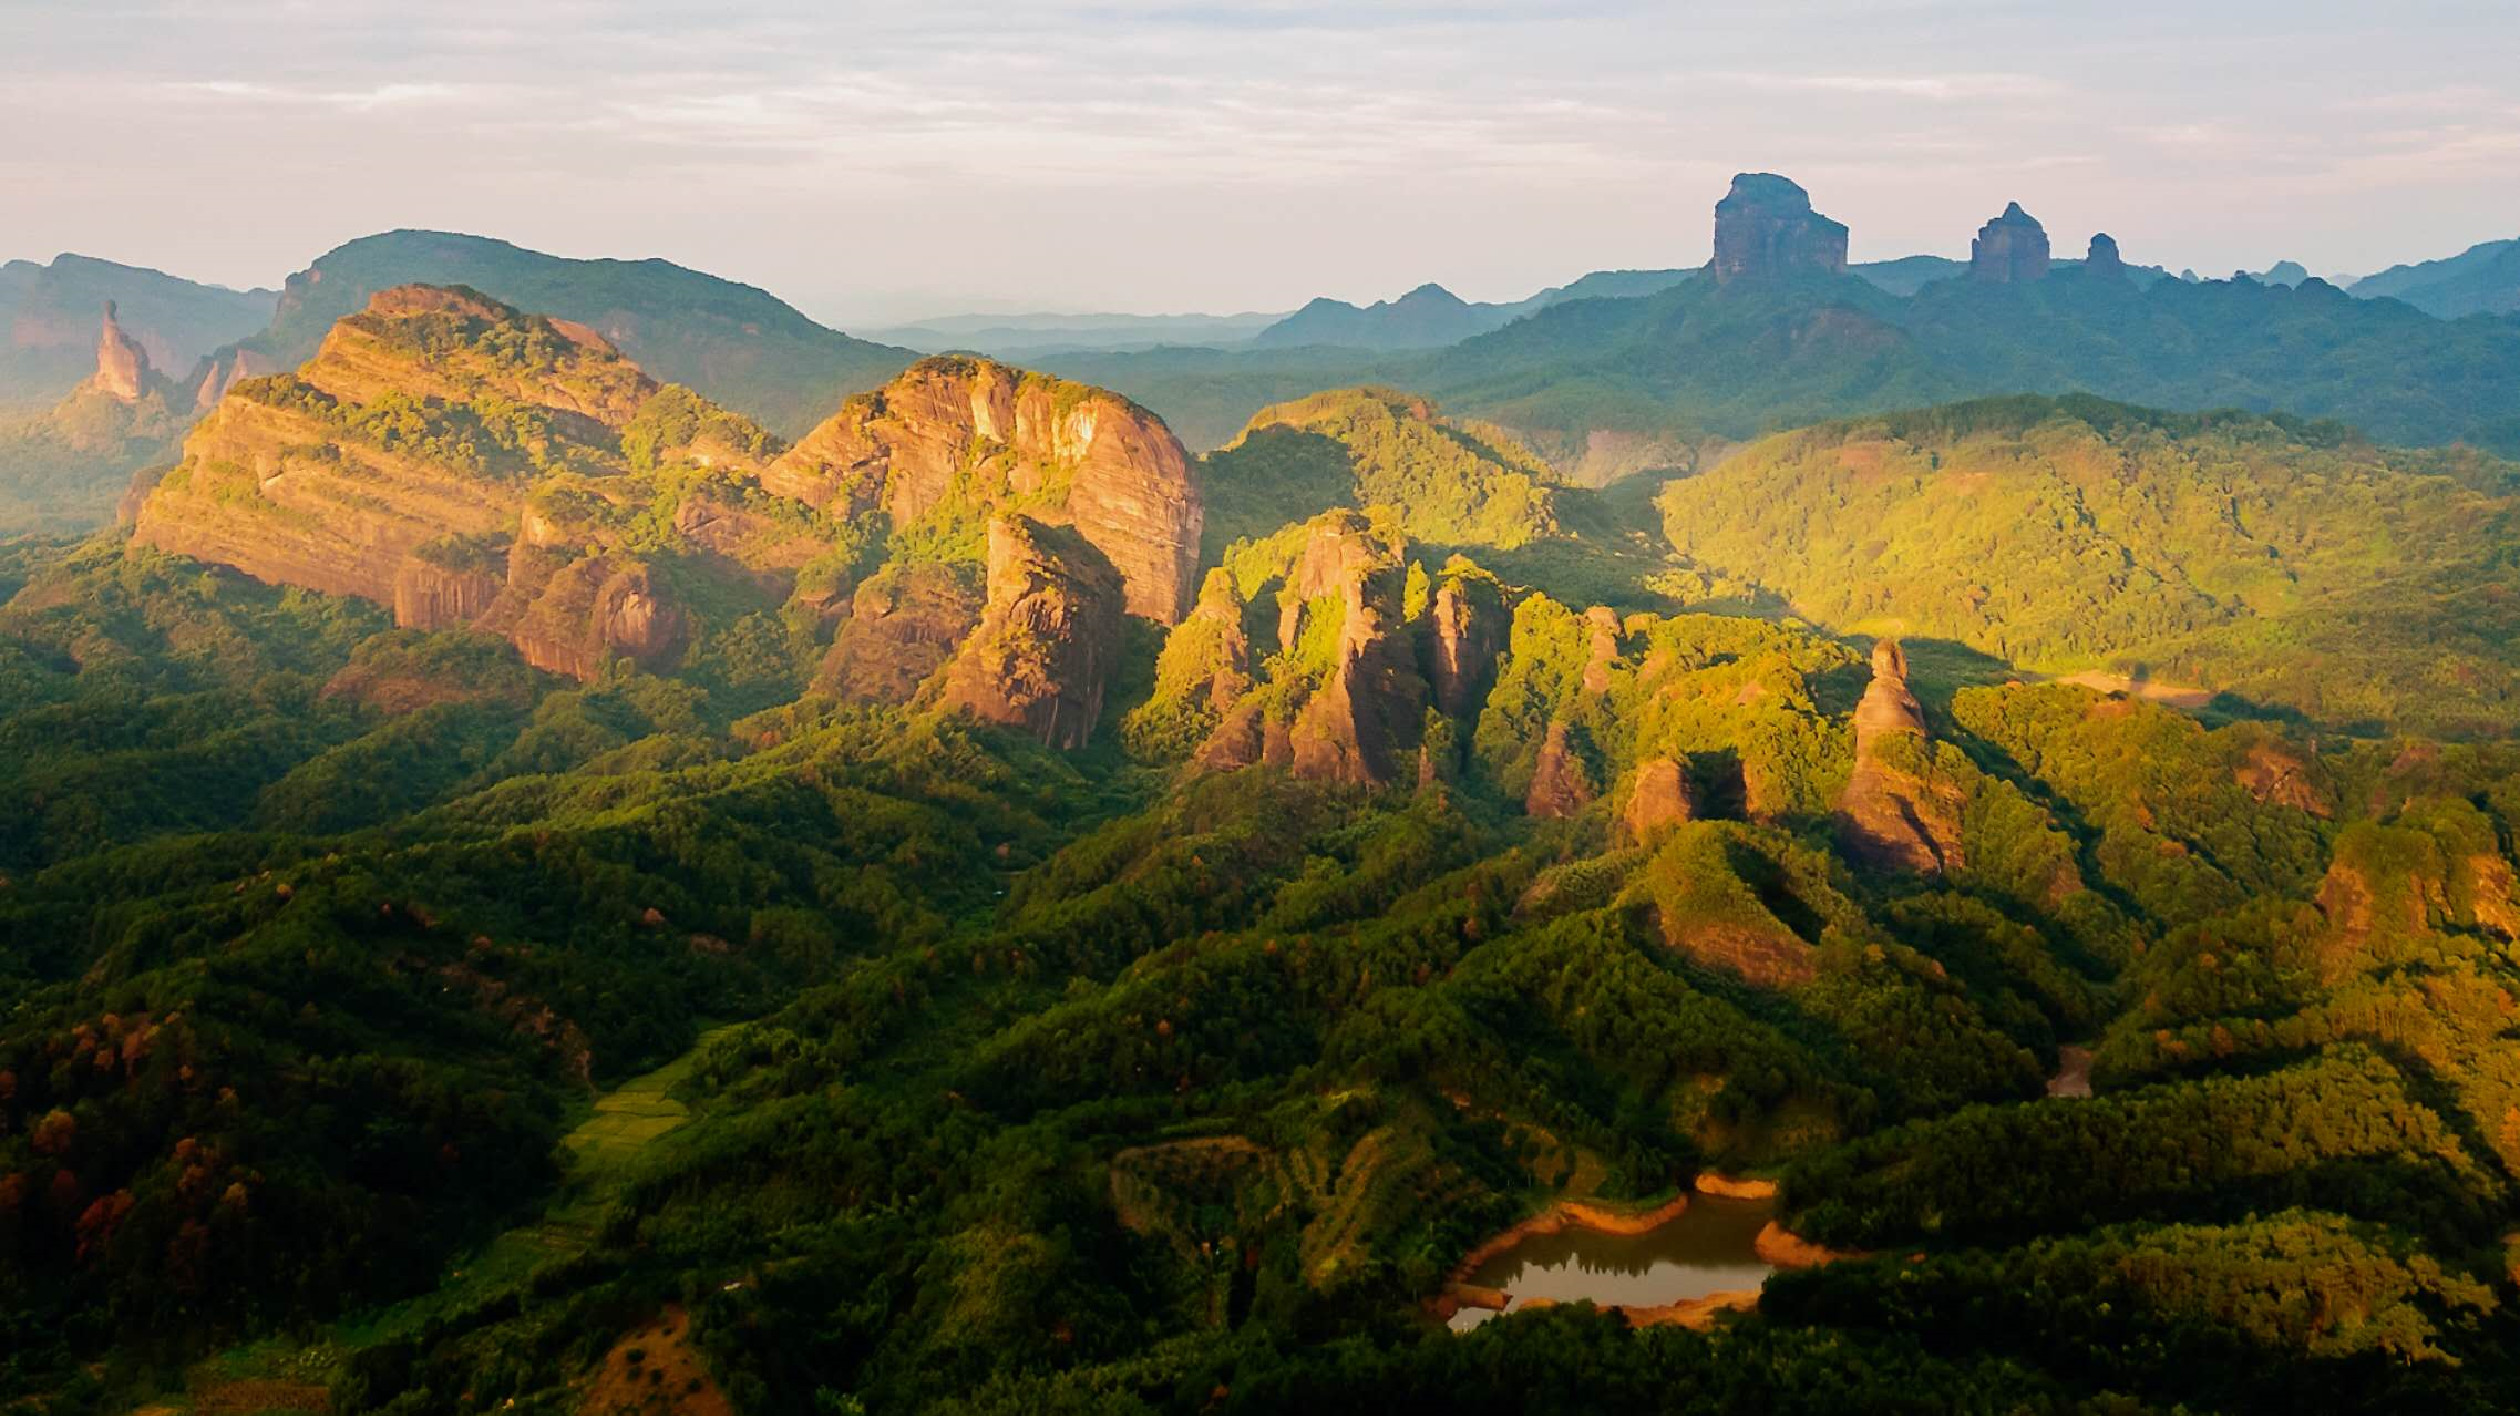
[(48, 322), (2291, 564), (732, 343), (1441, 481), (2483, 279)]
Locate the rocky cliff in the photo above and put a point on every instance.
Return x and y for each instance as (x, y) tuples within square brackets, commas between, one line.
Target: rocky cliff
[(1048, 639), (1765, 227), (962, 437), (459, 461), (1346, 702), (1892, 814), (335, 477), (2010, 250), (902, 626)]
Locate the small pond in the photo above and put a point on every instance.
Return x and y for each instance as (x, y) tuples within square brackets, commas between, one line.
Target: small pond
[(1707, 1248)]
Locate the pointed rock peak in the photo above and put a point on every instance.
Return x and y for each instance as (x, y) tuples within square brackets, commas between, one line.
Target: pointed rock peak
[(1765, 226), (122, 366), (2011, 249), (1430, 294)]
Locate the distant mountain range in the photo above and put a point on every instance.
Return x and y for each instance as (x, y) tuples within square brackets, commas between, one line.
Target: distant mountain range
[(2484, 279), (1010, 336), (733, 343), (48, 321), (1607, 387)]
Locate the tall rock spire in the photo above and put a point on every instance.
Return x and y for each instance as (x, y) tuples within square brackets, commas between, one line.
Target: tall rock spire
[(122, 366)]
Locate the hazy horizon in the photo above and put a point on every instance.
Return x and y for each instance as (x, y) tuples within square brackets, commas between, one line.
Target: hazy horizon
[(875, 167)]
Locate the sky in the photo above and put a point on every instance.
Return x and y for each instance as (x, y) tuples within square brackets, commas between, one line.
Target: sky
[(873, 163)]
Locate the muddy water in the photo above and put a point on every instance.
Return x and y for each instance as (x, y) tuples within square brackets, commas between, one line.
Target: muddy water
[(1706, 1249)]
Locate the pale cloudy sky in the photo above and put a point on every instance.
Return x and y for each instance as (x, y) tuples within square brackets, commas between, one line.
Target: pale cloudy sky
[(876, 161)]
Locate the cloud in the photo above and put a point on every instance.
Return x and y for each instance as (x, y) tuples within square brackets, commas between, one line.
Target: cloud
[(1938, 88), (384, 95)]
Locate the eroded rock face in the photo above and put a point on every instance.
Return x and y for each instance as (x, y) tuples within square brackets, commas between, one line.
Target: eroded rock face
[(1048, 638), (222, 375), (284, 481), (1660, 799), (573, 616), (972, 428), (2010, 250), (1561, 786), (903, 625), (1891, 815), (1765, 227), (429, 596), (2103, 258), (122, 366), (1358, 714), (276, 493), (1470, 629)]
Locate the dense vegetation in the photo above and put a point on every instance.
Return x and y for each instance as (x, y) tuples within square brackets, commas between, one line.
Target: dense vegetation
[(2294, 565), (1665, 372), (332, 956)]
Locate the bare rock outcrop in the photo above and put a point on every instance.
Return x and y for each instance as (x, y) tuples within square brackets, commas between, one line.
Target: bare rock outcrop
[(2103, 258), (575, 615), (2012, 249), (903, 625), (1350, 705), (1765, 227), (1561, 785), (1469, 628), (1048, 638), (1659, 799), (1891, 815), (430, 594), (122, 372), (976, 430)]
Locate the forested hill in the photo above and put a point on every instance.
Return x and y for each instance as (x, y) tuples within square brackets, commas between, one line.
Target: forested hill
[(1748, 357), (2289, 563), (522, 891), (732, 343), (1606, 386)]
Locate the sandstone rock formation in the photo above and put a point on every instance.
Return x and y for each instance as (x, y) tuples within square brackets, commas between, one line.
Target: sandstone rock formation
[(1046, 643), (337, 480), (2010, 250), (1351, 706), (1561, 785), (1659, 799), (975, 431), (1469, 625), (1765, 227), (122, 366), (903, 625), (2103, 258), (1891, 815), (572, 616)]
